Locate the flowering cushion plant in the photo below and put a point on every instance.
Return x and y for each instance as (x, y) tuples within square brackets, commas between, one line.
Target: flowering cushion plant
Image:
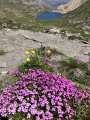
[(41, 96)]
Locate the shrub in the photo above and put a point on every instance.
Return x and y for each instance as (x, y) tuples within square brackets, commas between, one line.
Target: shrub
[(2, 52), (38, 59), (74, 37)]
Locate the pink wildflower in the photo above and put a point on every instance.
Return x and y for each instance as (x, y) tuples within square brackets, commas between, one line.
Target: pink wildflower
[(15, 27), (4, 24), (89, 58), (79, 61)]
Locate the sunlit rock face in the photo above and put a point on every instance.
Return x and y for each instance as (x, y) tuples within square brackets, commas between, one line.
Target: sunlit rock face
[(71, 5)]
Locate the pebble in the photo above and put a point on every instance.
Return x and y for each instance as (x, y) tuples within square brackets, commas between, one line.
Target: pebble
[(5, 72), (2, 65), (85, 42), (86, 53)]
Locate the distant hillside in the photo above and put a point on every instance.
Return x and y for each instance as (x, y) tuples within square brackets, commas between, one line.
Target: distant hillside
[(71, 5), (18, 13), (78, 20), (81, 15), (35, 3)]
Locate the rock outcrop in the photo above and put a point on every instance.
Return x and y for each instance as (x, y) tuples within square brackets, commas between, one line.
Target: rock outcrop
[(73, 4)]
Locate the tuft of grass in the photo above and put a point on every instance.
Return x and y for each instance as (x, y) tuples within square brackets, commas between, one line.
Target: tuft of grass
[(2, 52), (63, 32), (41, 66), (42, 51), (72, 63), (74, 37), (56, 52)]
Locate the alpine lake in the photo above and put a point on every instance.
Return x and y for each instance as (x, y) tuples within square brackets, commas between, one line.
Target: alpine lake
[(49, 15)]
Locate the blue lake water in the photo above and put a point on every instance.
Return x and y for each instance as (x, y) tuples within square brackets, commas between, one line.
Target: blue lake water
[(49, 15)]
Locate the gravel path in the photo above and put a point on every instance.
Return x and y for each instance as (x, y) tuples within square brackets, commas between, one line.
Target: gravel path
[(15, 43)]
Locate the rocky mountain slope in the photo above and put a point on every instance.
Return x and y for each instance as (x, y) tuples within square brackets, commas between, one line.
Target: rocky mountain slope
[(35, 3), (73, 4)]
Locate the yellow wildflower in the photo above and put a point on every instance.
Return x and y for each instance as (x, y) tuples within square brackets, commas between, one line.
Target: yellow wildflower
[(28, 60), (27, 52), (48, 51), (32, 52)]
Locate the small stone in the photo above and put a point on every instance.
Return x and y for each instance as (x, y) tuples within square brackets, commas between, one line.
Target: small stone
[(87, 53), (2, 64), (85, 42), (78, 72), (86, 28), (5, 72), (85, 46), (73, 41), (87, 33), (54, 30)]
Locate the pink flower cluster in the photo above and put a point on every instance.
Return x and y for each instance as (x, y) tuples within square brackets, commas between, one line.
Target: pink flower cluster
[(49, 93), (4, 24), (15, 27)]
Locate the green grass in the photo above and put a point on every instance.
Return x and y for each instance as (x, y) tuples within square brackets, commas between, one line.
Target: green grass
[(68, 66), (2, 52), (4, 83), (17, 13), (35, 66), (72, 63), (80, 79), (74, 37)]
